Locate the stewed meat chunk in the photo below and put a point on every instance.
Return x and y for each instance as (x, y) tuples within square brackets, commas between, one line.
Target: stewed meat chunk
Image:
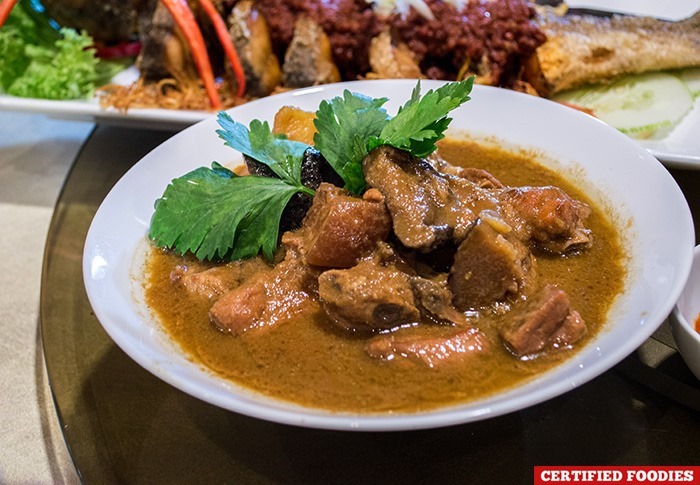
[(340, 229), (547, 217), (267, 298), (240, 309), (434, 299), (429, 350), (369, 296), (490, 265), (424, 209), (547, 321), (384, 292)]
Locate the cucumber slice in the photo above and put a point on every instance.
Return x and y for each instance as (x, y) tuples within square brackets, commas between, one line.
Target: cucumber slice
[(642, 106), (691, 78)]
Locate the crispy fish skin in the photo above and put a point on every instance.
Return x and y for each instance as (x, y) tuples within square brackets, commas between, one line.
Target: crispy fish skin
[(250, 35), (389, 61), (309, 60), (587, 49)]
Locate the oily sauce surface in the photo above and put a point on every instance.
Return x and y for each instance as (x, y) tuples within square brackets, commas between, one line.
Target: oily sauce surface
[(308, 361)]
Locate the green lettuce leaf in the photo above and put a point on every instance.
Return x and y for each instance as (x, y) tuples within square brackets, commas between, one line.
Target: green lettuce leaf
[(67, 71)]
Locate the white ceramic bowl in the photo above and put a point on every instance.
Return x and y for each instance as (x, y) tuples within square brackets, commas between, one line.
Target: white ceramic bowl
[(684, 315), (643, 198)]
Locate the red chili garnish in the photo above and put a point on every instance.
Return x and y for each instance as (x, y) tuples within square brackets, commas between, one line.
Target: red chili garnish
[(193, 35), (226, 43), (697, 323), (6, 7)]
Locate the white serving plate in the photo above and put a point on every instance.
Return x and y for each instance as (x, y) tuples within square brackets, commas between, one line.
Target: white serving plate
[(673, 11), (680, 148)]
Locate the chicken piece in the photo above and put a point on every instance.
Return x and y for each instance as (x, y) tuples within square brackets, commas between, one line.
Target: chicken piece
[(425, 211), (368, 297), (308, 60), (490, 265), (269, 298), (389, 61), (546, 217), (429, 350), (340, 229), (547, 321), (241, 309), (251, 38)]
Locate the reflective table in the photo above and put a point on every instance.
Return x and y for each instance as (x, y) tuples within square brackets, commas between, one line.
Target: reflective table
[(123, 425)]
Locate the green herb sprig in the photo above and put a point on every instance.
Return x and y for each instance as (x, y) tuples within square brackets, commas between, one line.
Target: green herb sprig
[(422, 121), (215, 214), (343, 127)]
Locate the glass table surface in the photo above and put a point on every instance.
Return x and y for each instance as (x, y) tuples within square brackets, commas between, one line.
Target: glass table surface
[(124, 425)]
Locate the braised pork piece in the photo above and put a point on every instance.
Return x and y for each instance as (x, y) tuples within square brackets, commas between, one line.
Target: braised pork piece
[(450, 279)]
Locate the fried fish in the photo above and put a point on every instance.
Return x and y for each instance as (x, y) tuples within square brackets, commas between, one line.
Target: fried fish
[(589, 49)]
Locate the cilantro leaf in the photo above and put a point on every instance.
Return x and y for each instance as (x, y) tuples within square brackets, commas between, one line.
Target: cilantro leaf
[(415, 97), (421, 122), (283, 156), (216, 214), (344, 124)]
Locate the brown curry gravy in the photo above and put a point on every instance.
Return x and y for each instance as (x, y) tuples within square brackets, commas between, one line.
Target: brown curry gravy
[(308, 362)]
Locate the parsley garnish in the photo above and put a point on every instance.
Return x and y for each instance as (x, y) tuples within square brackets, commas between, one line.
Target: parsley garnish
[(283, 156), (421, 122), (215, 214), (343, 127), (349, 127)]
